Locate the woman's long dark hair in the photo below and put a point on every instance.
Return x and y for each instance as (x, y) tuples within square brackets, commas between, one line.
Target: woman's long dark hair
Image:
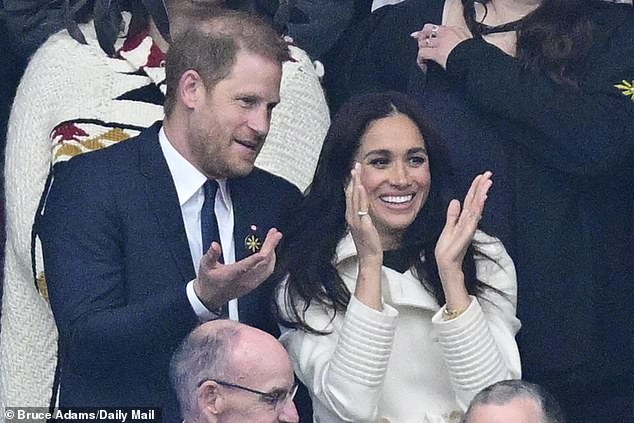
[(108, 20), (554, 39), (311, 236)]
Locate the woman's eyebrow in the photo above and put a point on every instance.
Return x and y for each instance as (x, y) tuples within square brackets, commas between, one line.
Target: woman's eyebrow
[(379, 152)]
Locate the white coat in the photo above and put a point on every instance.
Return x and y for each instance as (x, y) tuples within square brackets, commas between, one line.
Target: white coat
[(406, 364)]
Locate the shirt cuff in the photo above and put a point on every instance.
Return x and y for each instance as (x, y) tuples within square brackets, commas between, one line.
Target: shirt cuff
[(203, 313)]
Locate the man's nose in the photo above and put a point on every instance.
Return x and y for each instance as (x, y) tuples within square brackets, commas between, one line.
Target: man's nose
[(289, 413), (260, 120)]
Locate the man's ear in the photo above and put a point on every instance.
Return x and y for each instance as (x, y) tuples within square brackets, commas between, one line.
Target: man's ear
[(190, 88), (210, 400)]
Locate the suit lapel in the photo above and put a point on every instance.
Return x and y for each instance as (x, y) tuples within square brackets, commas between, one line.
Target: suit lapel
[(248, 235), (246, 231), (163, 200)]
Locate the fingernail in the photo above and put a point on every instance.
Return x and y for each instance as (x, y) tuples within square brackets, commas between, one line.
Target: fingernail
[(414, 34)]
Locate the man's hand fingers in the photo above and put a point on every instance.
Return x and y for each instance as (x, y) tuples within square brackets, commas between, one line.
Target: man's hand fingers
[(258, 264), (271, 241), (213, 254)]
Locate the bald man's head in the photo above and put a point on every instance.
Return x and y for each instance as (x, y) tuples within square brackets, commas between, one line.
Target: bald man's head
[(226, 371), (514, 401)]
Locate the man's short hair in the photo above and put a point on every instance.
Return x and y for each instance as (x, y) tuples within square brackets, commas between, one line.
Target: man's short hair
[(211, 48), (184, 14), (503, 392), (202, 355)]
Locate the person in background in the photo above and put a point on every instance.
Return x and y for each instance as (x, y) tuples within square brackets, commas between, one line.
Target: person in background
[(11, 68), (542, 94), (514, 401), (397, 307), (225, 371), (74, 97)]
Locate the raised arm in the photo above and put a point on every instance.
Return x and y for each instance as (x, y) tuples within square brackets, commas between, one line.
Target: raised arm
[(454, 241), (583, 131), (346, 368), (367, 241), (477, 334)]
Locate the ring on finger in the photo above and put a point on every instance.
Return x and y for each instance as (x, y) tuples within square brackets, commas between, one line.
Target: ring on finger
[(434, 31), (362, 213)]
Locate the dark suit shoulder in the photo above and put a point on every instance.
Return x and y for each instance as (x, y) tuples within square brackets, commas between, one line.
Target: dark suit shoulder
[(264, 195), (269, 182)]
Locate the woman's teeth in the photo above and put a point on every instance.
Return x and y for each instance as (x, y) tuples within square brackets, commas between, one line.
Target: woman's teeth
[(397, 199)]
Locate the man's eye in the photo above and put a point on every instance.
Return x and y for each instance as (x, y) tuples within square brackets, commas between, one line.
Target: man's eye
[(247, 102), (273, 398)]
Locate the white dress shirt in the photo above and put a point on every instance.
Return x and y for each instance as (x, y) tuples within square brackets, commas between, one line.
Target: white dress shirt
[(189, 183)]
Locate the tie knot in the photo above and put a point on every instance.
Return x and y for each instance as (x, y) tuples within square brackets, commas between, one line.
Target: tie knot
[(210, 187)]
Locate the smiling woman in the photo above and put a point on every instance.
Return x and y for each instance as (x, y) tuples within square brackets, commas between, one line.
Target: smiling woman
[(396, 309), (394, 169)]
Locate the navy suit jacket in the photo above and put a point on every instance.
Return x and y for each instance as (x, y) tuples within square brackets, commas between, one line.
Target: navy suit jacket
[(117, 262)]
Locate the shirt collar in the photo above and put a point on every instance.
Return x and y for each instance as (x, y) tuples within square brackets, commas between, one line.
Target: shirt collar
[(187, 178)]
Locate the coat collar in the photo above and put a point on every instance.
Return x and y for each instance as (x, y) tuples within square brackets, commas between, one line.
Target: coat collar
[(399, 289)]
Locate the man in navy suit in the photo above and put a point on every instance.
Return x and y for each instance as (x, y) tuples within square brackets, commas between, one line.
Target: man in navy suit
[(121, 227)]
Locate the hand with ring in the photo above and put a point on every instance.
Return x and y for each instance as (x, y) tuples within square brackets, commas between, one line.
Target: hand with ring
[(359, 218), (366, 239), (436, 42)]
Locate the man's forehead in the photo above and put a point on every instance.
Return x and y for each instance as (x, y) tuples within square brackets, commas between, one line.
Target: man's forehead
[(255, 78), (262, 360), (517, 410), (246, 57)]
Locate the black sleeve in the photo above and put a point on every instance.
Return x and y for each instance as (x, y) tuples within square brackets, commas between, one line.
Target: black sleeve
[(583, 132), (30, 23), (377, 54)]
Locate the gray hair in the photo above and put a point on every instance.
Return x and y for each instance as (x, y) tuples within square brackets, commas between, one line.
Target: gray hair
[(503, 392), (204, 354)]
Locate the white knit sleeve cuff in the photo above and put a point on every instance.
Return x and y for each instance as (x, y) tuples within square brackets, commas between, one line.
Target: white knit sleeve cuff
[(365, 343), (469, 348)]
